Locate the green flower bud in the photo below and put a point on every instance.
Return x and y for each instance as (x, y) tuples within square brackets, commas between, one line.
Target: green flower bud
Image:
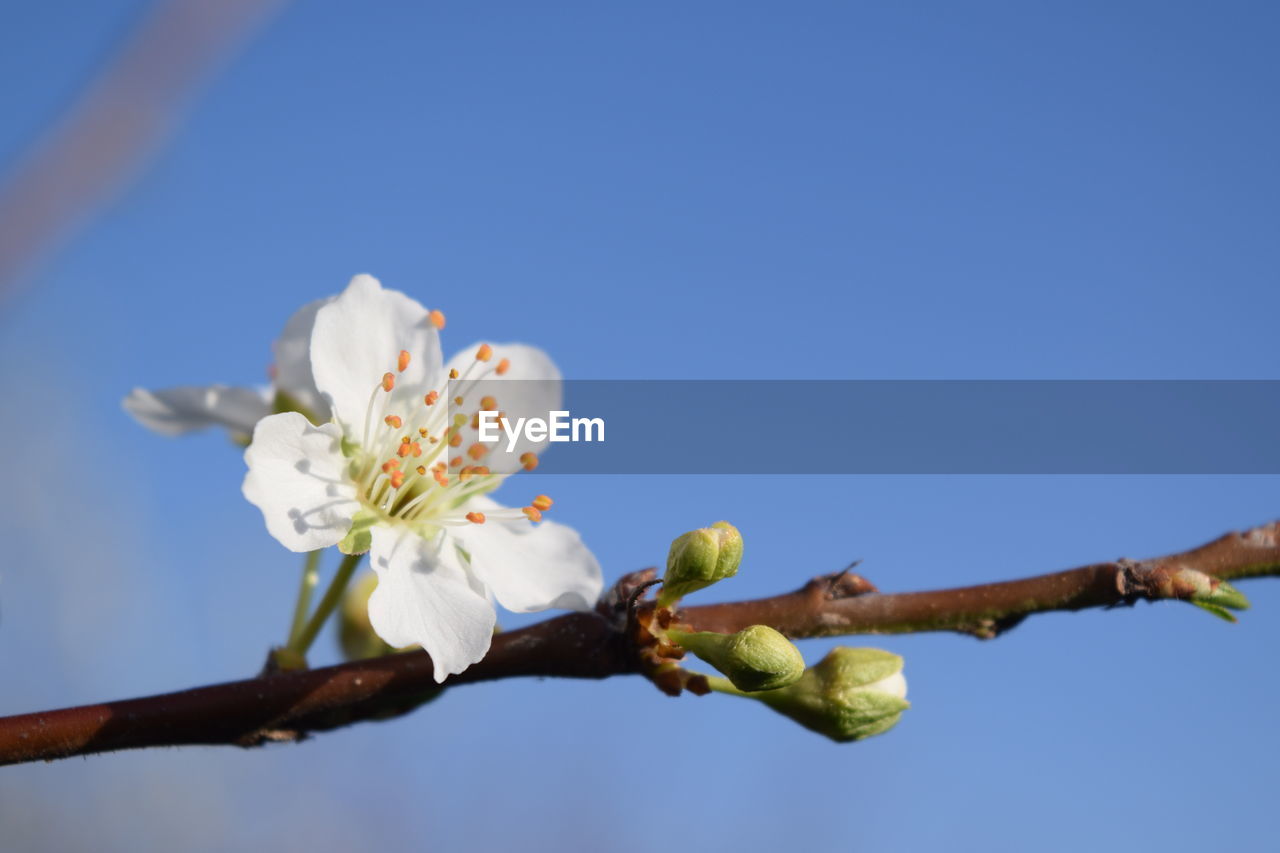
[(698, 559), (1214, 595), (849, 695), (755, 658), (355, 633)]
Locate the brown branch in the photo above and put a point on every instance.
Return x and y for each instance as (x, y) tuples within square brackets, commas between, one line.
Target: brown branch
[(292, 705)]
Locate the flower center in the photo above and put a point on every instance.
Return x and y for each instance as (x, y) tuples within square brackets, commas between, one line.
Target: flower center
[(415, 463)]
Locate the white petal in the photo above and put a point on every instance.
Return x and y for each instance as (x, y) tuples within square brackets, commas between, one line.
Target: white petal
[(426, 597), (530, 566), (293, 360), (298, 478), (358, 337), (537, 391), (174, 411)]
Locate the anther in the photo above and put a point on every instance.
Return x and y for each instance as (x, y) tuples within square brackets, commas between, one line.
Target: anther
[(532, 514), (390, 465), (503, 366), (403, 361), (431, 398), (436, 318), (397, 479), (529, 461), (456, 440), (422, 470), (488, 404), (393, 421), (475, 517), (542, 503), (453, 373), (484, 353), (477, 450)]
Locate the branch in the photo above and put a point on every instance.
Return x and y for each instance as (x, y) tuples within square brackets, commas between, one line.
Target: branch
[(289, 706)]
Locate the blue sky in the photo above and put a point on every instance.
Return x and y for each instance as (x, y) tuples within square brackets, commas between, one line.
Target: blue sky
[(714, 190)]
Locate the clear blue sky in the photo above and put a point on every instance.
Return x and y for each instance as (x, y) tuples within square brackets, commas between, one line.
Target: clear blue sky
[(709, 190)]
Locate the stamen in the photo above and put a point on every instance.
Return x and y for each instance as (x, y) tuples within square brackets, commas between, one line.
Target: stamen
[(403, 361), (422, 470), (455, 440), (453, 373), (477, 450), (436, 318), (542, 503), (457, 401), (484, 353), (532, 513), (475, 517), (529, 461), (393, 421), (431, 398), (388, 381), (390, 465), (397, 479), (503, 366), (488, 404)]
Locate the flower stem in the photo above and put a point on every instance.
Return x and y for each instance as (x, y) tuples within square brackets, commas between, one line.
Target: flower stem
[(310, 577), (328, 602)]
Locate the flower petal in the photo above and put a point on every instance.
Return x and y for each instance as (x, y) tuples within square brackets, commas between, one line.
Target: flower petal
[(293, 360), (174, 411), (426, 597), (298, 478), (358, 338), (537, 391), (530, 566)]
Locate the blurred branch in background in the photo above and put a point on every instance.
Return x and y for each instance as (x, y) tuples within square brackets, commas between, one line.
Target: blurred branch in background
[(122, 116), (288, 706)]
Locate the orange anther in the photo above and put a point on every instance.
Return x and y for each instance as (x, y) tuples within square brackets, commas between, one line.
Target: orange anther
[(484, 353), (403, 361), (390, 465), (397, 479), (422, 431), (388, 381), (488, 404), (422, 470), (475, 517), (431, 398), (532, 514), (529, 461), (477, 450), (455, 462), (393, 421), (480, 470), (404, 450), (442, 479), (453, 373), (456, 440), (503, 366), (415, 449), (436, 318), (542, 503)]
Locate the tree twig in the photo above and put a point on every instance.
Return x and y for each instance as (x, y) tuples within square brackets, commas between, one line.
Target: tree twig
[(289, 706)]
